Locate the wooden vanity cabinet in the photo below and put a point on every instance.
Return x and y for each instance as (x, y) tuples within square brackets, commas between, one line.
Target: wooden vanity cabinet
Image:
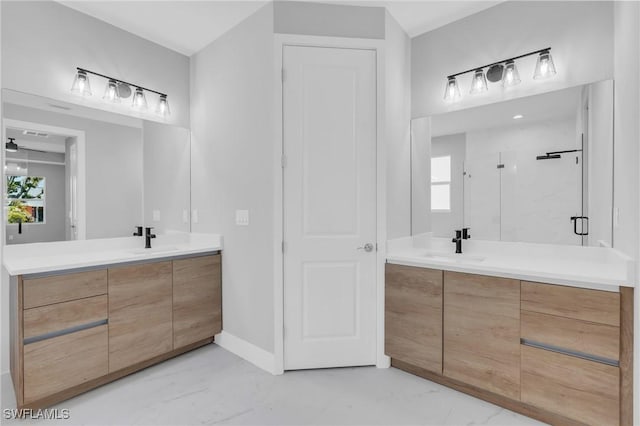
[(140, 313), (413, 316), (74, 331), (197, 299)]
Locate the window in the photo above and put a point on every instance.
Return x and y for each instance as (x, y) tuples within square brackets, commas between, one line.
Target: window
[(441, 184), (25, 199)]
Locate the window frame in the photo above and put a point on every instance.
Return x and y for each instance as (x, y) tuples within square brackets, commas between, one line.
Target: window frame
[(9, 199)]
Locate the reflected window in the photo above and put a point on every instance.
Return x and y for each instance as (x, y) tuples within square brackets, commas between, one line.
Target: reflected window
[(441, 183), (25, 199)]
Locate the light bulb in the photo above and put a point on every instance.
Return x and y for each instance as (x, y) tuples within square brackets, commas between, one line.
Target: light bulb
[(81, 84), (479, 82), (163, 106), (452, 91), (545, 67), (139, 100), (510, 75), (111, 92)]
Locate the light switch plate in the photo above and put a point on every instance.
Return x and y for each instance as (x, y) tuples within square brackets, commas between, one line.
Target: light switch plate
[(156, 215), (242, 217)]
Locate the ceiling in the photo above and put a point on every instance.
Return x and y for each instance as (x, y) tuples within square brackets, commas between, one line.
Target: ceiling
[(187, 26), (547, 106)]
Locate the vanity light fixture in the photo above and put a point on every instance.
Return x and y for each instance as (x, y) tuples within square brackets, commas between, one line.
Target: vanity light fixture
[(452, 91), (117, 89), (479, 82), (111, 92), (504, 70), (81, 84), (139, 100), (545, 67)]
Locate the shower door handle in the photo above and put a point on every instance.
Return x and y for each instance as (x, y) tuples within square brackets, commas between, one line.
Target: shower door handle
[(583, 219)]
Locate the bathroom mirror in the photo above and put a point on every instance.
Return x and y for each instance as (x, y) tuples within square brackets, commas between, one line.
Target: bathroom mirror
[(536, 169), (74, 172)]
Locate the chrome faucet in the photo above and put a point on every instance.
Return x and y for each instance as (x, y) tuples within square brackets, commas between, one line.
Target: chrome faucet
[(461, 234), (148, 236)]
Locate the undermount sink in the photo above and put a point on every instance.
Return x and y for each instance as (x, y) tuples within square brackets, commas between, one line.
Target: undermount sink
[(453, 257), (153, 250)]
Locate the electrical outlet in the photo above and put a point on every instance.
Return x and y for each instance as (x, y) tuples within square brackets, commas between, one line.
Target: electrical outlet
[(194, 216), (242, 217), (185, 216), (156, 215), (616, 217)]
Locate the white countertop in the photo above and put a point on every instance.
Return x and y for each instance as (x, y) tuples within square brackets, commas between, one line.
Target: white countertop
[(588, 267), (22, 259)]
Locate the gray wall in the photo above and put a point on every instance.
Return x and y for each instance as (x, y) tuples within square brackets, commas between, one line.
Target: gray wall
[(43, 42), (292, 17), (398, 128), (580, 34), (233, 167), (113, 169), (54, 227)]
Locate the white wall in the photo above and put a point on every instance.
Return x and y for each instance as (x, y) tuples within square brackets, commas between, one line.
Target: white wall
[(420, 172), (443, 224), (233, 167), (293, 17), (626, 156), (579, 33), (398, 129), (113, 169), (43, 42), (167, 176)]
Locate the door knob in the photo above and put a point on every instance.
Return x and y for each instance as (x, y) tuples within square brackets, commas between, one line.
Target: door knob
[(367, 247)]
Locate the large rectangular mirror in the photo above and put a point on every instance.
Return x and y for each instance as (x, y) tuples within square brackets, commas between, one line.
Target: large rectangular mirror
[(535, 169), (74, 172)]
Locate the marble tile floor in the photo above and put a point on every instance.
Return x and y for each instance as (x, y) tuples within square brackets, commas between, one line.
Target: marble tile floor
[(212, 386)]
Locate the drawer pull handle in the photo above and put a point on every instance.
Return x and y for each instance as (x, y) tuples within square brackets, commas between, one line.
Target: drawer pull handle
[(570, 352), (69, 330)]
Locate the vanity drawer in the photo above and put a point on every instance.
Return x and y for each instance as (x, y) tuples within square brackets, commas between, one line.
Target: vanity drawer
[(61, 316), (63, 288), (597, 306), (583, 390), (56, 364)]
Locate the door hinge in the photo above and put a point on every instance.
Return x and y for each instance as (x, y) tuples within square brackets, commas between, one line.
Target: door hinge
[(283, 74), (283, 161)]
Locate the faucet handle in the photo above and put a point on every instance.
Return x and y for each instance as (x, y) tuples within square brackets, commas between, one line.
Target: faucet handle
[(465, 233), (138, 232), (148, 232)]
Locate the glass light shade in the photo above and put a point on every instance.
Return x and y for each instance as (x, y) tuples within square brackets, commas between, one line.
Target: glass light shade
[(111, 92), (479, 82), (452, 91), (545, 67), (81, 84), (163, 106), (139, 100), (510, 75)]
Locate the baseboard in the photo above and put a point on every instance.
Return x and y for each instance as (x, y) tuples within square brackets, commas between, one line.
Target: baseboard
[(247, 351)]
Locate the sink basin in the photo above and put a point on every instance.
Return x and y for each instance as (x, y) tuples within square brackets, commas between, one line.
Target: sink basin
[(453, 257), (154, 250)]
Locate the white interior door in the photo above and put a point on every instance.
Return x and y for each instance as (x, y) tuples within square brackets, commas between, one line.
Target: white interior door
[(329, 128)]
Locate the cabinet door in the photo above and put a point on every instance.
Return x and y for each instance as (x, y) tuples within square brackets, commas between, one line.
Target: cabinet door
[(482, 332), (197, 299), (413, 316), (140, 313)]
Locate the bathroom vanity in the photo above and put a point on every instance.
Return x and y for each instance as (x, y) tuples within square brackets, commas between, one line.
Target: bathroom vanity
[(85, 313), (543, 330)]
